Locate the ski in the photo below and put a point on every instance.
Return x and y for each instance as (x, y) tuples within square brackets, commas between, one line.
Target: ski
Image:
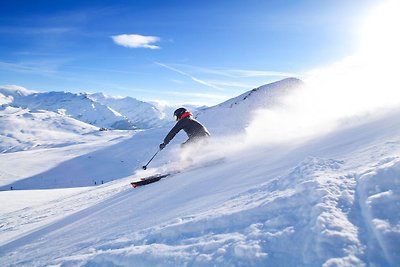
[(149, 180), (157, 177)]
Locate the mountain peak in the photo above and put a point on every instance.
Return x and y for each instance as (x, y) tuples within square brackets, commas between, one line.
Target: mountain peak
[(236, 112)]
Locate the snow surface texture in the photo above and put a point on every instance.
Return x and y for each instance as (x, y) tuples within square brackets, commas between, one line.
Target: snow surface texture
[(330, 200)]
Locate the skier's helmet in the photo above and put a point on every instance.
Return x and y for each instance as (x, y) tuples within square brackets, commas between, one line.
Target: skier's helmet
[(179, 112)]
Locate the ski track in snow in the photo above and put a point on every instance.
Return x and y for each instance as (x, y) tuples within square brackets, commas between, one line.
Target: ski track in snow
[(333, 201)]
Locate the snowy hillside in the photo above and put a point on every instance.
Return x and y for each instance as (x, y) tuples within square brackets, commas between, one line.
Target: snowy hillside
[(238, 112), (22, 129), (142, 114), (331, 202), (328, 199)]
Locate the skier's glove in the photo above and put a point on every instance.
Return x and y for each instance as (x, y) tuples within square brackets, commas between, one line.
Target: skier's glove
[(162, 146)]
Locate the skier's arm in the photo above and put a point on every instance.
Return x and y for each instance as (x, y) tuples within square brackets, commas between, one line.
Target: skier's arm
[(173, 132)]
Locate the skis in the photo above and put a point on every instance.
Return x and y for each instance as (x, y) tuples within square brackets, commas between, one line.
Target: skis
[(149, 180), (157, 177), (152, 179)]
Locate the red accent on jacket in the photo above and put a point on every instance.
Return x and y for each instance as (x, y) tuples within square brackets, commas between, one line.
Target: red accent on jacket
[(186, 114)]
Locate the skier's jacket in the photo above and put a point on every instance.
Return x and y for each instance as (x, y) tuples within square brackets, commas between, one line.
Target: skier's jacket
[(194, 129)]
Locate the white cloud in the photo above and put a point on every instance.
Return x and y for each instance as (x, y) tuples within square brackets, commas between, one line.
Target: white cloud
[(136, 41)]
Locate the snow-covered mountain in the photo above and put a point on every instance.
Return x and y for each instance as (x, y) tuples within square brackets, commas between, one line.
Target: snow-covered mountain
[(142, 114), (78, 106), (330, 200), (238, 112)]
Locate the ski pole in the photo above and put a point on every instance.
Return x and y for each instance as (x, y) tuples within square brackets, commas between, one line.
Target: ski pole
[(145, 166)]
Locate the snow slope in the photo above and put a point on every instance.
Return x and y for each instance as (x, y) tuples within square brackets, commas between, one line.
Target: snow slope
[(22, 129), (98, 158), (332, 201)]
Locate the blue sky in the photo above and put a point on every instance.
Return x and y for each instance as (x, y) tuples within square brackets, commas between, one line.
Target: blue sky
[(174, 51)]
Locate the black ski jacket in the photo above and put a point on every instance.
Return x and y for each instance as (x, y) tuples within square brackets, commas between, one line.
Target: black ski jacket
[(193, 129)]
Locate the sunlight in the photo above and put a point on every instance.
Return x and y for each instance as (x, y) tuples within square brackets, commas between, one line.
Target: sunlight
[(380, 35), (367, 80), (361, 84)]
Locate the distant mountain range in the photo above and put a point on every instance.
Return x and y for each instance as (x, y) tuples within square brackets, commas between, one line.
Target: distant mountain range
[(140, 114)]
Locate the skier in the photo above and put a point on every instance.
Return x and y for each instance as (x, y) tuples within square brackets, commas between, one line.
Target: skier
[(196, 132)]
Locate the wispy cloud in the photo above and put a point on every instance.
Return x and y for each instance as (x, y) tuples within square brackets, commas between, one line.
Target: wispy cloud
[(238, 73), (195, 79), (239, 78), (136, 41)]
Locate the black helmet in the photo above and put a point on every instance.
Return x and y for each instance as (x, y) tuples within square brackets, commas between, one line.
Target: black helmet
[(179, 112)]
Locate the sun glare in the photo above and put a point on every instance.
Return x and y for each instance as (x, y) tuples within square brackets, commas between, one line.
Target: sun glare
[(363, 83), (368, 79), (380, 34)]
